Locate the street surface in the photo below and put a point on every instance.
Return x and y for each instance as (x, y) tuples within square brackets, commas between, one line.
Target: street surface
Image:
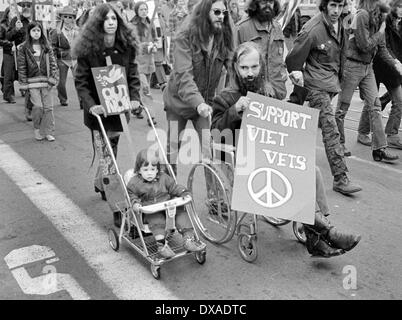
[(48, 204)]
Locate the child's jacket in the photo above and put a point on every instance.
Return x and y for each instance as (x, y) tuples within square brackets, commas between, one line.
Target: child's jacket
[(30, 74), (162, 188)]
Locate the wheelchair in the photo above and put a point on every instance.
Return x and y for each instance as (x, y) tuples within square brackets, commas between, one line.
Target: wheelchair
[(215, 219)]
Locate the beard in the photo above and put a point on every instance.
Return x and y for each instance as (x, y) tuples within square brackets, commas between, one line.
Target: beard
[(26, 13), (265, 15), (252, 84), (214, 29)]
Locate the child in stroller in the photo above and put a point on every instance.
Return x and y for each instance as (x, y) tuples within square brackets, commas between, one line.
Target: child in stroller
[(151, 185)]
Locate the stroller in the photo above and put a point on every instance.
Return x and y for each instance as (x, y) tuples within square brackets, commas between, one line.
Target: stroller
[(134, 231)]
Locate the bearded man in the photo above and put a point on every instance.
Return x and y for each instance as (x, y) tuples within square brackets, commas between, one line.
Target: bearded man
[(261, 28), (248, 74)]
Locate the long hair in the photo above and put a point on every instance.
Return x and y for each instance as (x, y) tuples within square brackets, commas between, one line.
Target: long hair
[(141, 26), (242, 50), (91, 38), (146, 157), (199, 26), (252, 8), (376, 12), (4, 18), (42, 40)]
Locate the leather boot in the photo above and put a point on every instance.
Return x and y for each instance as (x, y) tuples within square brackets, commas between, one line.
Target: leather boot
[(316, 246), (333, 236)]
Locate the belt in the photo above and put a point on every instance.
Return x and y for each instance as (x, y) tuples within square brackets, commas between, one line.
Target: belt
[(359, 61)]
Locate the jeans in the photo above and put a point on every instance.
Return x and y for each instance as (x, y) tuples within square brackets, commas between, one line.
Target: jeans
[(321, 100), (362, 75), (320, 196), (61, 87), (9, 76), (42, 110)]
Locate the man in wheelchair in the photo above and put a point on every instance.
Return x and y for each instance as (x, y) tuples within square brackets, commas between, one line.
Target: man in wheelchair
[(151, 185), (247, 75)]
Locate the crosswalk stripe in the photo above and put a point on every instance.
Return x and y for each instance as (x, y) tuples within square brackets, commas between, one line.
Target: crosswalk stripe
[(121, 272)]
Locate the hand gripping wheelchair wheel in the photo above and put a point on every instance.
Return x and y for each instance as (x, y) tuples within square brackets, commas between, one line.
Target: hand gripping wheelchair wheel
[(211, 202)]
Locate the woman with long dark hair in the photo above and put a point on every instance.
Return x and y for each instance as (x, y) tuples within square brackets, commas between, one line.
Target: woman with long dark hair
[(104, 35)]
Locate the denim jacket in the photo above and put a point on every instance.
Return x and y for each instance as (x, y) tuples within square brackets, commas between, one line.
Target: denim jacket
[(194, 79)]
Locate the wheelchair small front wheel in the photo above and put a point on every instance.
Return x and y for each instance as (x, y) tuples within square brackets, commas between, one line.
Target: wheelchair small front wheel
[(247, 245), (201, 256), (298, 230), (156, 271), (113, 240)]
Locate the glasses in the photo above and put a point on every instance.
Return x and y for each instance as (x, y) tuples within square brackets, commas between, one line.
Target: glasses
[(67, 17), (219, 12)]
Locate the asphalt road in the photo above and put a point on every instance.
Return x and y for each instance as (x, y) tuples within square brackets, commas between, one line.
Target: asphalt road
[(48, 207)]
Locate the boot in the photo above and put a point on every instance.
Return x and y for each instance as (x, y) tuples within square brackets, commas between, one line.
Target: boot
[(343, 185), (332, 236), (316, 246)]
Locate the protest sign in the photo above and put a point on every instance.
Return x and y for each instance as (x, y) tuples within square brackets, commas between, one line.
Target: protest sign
[(111, 85), (4, 4), (43, 10), (278, 178)]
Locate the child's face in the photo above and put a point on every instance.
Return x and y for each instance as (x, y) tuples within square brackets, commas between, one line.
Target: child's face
[(148, 172), (35, 33)]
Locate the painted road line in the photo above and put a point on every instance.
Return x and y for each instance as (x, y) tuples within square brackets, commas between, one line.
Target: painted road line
[(123, 274), (371, 163)]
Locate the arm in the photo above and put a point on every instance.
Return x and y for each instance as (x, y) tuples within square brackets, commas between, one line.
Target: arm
[(3, 41), (133, 79), (22, 69), (300, 52), (183, 71), (384, 54), (364, 41), (54, 70), (225, 114), (82, 78), (175, 190), (13, 34), (134, 198)]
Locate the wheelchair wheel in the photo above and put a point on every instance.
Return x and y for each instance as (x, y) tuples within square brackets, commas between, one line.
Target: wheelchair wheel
[(113, 240), (277, 222), (298, 230), (211, 201), (201, 256), (156, 271), (247, 245)]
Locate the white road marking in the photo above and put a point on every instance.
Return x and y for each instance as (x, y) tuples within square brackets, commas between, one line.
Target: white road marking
[(121, 272)]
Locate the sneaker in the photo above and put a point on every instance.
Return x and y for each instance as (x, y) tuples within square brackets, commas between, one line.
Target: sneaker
[(383, 154), (190, 244), (165, 251), (343, 185), (394, 142), (345, 151), (49, 137), (64, 104), (37, 135), (364, 139)]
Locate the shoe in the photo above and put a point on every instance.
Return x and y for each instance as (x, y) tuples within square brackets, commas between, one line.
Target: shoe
[(165, 251), (103, 194), (394, 142), (346, 152), (190, 244), (153, 120), (64, 104), (364, 139), (340, 240), (37, 135), (117, 219), (317, 246), (384, 155), (11, 100), (343, 185), (49, 137)]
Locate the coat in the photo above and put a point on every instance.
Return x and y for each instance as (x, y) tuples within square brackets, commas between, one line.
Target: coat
[(194, 78), (145, 59), (271, 44), (385, 73), (31, 75), (86, 88), (61, 45), (162, 188)]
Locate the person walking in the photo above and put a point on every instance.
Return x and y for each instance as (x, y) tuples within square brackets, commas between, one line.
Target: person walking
[(105, 35), (62, 39), (366, 40), (315, 64)]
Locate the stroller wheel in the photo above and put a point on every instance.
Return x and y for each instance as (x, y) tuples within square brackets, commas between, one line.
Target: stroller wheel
[(156, 271), (113, 240)]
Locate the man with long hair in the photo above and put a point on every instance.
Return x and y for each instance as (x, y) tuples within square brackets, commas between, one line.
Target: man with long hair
[(247, 72), (203, 45), (261, 27), (320, 45)]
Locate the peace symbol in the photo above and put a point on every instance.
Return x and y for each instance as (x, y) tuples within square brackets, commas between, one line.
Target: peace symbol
[(268, 190)]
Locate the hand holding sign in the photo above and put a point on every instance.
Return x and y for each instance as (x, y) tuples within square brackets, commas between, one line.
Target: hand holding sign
[(242, 104), (98, 109), (204, 110), (297, 78)]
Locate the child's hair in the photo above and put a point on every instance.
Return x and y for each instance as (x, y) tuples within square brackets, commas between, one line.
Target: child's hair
[(42, 40), (145, 157)]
